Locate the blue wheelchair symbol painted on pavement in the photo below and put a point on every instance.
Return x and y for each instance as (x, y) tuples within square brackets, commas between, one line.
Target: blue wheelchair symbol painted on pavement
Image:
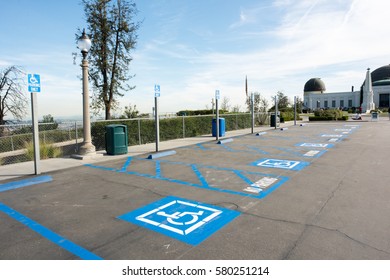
[(281, 163), (188, 221)]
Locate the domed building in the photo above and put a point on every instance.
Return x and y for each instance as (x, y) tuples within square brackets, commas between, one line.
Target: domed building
[(376, 96), (314, 85), (381, 86)]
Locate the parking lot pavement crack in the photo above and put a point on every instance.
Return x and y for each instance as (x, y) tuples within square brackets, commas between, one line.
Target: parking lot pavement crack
[(350, 238)]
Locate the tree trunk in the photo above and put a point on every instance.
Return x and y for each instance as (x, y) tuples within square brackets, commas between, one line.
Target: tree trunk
[(108, 112)]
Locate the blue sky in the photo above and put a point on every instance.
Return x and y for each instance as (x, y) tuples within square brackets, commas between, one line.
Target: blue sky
[(191, 48)]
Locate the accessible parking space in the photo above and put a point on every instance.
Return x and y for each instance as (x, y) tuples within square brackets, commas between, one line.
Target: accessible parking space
[(256, 196)]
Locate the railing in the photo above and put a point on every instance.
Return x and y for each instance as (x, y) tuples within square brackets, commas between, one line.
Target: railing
[(63, 139)]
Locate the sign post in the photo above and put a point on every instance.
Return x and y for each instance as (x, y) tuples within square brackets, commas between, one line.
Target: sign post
[(217, 113), (276, 112), (34, 86), (253, 111), (157, 93), (295, 110)]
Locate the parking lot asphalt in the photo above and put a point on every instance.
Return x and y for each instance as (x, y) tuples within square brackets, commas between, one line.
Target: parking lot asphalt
[(316, 191)]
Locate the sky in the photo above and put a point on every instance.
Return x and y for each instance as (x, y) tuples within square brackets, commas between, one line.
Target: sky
[(193, 48)]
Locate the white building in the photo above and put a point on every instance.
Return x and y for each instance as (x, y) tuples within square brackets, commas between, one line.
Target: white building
[(314, 95)]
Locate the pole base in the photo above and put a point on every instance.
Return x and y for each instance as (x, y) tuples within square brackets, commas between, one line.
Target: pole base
[(87, 149)]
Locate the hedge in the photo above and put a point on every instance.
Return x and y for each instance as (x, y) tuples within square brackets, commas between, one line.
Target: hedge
[(327, 118)]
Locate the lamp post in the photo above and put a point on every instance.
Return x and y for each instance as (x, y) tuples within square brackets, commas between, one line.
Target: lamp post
[(84, 44)]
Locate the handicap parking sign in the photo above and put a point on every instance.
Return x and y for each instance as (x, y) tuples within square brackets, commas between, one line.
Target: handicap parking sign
[(34, 82), (281, 163), (188, 221)]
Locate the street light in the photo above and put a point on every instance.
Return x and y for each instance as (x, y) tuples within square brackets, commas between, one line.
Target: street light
[(86, 148)]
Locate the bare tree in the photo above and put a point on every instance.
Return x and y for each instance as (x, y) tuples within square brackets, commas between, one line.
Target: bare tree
[(12, 99), (225, 104), (260, 107)]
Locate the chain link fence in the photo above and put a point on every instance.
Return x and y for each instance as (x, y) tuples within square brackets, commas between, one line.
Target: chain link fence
[(63, 139)]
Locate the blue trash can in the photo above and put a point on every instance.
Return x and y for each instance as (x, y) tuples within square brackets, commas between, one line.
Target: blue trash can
[(221, 127)]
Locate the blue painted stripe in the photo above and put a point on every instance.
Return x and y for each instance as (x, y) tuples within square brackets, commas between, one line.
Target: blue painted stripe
[(244, 178), (258, 150), (47, 233), (25, 183), (127, 164), (201, 147), (200, 176), (158, 169), (204, 184)]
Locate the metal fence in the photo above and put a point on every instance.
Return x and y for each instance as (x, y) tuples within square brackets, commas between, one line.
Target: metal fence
[(63, 139)]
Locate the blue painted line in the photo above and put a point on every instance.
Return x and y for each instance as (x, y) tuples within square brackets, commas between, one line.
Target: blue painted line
[(104, 168), (158, 169), (200, 176), (50, 235), (258, 150), (225, 141), (244, 178), (288, 151), (203, 182), (161, 154), (229, 149), (127, 164), (201, 147), (25, 183)]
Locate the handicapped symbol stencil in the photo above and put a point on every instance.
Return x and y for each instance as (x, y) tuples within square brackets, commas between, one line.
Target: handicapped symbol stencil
[(281, 163), (188, 221)]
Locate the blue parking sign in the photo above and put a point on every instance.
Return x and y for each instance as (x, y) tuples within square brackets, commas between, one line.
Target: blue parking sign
[(34, 83), (157, 91), (188, 221)]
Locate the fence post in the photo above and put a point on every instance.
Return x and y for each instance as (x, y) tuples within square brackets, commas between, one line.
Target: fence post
[(184, 128), (139, 132), (12, 144), (76, 135)]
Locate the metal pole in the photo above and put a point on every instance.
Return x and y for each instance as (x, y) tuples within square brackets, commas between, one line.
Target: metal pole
[(76, 135), (156, 119), (253, 111), (276, 112), (35, 133), (217, 118), (86, 146), (295, 110), (139, 131), (184, 128)]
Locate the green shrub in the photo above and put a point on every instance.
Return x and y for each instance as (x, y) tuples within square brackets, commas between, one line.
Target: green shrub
[(329, 113), (327, 118), (46, 151)]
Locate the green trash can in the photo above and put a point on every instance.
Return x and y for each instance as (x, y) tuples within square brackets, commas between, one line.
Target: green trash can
[(116, 139)]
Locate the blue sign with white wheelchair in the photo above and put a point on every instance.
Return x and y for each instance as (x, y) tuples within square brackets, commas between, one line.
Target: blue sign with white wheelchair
[(188, 221)]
